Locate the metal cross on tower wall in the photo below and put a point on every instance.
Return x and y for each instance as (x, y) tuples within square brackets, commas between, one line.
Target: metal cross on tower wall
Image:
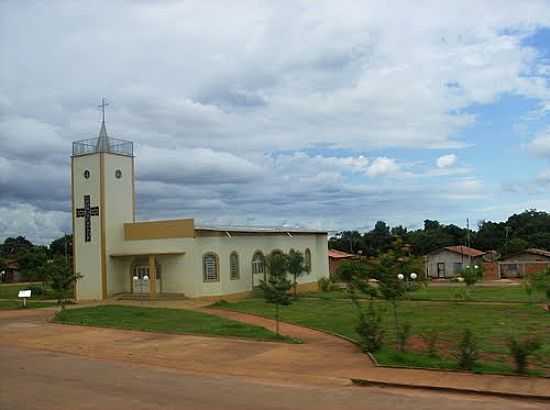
[(87, 212)]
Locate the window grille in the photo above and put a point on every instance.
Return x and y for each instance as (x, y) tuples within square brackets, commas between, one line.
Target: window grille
[(234, 265), (210, 263)]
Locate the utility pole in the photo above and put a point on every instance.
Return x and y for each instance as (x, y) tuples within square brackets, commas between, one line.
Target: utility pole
[(468, 232), (507, 233), (66, 248)]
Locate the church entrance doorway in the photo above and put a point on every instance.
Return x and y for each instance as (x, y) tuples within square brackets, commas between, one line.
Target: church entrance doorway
[(141, 279)]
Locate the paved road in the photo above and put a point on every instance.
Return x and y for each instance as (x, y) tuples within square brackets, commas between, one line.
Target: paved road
[(32, 379)]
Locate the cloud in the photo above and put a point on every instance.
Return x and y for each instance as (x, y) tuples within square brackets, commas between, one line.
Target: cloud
[(540, 145), (285, 113), (446, 161), (382, 166)]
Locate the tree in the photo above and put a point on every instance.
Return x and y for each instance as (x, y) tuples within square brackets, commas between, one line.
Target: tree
[(277, 286), (32, 263), (468, 351), (12, 247), (296, 266), (541, 285), (61, 279), (395, 269), (521, 350), (62, 246), (369, 322), (515, 245)]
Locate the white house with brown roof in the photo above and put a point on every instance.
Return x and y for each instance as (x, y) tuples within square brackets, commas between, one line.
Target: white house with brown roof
[(449, 261), (116, 254)]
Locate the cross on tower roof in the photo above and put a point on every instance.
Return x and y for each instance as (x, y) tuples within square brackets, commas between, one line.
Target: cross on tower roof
[(102, 106), (103, 143)]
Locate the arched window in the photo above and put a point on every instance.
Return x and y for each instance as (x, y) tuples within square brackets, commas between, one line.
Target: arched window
[(307, 260), (258, 263), (234, 265), (210, 265)]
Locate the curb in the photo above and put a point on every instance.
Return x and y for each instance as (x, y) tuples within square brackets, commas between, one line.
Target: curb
[(368, 382)]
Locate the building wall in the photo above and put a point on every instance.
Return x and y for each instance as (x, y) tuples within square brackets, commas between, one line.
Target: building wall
[(118, 209), (518, 266), (87, 255), (490, 270), (449, 259), (184, 273)]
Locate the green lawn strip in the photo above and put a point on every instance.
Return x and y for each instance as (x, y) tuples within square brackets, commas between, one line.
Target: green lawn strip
[(164, 320), (11, 290), (513, 294), (17, 304), (492, 324)]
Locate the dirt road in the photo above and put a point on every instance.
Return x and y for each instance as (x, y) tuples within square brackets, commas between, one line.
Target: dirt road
[(33, 379)]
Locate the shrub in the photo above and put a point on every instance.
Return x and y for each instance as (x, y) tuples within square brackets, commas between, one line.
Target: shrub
[(325, 284), (369, 329), (431, 338), (472, 274), (36, 290), (527, 285), (403, 335), (468, 352), (521, 350)]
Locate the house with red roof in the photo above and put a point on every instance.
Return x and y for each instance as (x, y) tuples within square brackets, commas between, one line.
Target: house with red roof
[(449, 261), (335, 258)]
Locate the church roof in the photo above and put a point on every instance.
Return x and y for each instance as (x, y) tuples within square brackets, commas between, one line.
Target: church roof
[(257, 229), (103, 141)]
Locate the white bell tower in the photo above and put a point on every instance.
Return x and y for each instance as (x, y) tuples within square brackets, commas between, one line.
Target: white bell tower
[(102, 185)]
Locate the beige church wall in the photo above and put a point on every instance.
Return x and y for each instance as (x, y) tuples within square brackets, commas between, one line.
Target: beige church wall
[(246, 246), (87, 254), (119, 209), (119, 279), (176, 274)]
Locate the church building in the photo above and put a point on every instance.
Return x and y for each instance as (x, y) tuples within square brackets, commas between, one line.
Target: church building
[(116, 255)]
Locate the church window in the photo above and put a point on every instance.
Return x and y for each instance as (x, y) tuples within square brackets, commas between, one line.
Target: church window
[(210, 267), (258, 263), (307, 260), (118, 174), (234, 265), (86, 174)]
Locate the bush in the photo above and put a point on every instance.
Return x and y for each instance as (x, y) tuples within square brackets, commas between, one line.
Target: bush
[(369, 329), (468, 352), (403, 336), (472, 274), (521, 350), (325, 284), (431, 338), (36, 290)]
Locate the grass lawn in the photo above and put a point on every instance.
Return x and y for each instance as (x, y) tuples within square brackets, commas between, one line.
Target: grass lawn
[(163, 320), (10, 290), (453, 293), (16, 304), (492, 324)]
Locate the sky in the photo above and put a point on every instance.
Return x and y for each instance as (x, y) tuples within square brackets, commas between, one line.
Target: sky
[(327, 115)]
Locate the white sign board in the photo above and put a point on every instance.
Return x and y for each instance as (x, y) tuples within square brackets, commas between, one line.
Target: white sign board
[(24, 294)]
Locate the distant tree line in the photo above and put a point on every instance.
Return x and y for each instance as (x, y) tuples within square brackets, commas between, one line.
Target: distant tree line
[(35, 260), (529, 229)]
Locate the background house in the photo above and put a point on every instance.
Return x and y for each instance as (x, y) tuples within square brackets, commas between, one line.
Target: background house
[(335, 258), (449, 261), (10, 273), (531, 260)]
